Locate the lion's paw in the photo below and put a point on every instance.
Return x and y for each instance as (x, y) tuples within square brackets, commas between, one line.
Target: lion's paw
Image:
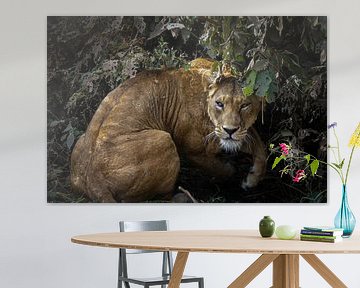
[(250, 181)]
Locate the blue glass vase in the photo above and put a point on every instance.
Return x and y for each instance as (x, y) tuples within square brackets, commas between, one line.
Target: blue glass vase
[(345, 219)]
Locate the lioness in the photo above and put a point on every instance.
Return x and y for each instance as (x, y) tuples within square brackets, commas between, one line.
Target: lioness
[(130, 151)]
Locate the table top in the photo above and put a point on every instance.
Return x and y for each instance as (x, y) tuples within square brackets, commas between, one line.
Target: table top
[(217, 241)]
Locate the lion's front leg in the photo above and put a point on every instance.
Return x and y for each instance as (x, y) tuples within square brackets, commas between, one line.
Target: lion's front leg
[(213, 165), (256, 148)]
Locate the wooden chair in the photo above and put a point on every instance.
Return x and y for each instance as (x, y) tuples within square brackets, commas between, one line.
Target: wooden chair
[(167, 262)]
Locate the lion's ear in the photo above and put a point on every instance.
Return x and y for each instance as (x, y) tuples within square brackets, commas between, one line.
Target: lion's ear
[(223, 72), (205, 68), (226, 71), (213, 71), (202, 63)]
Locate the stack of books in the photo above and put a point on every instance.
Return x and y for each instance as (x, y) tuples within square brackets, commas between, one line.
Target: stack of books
[(321, 234)]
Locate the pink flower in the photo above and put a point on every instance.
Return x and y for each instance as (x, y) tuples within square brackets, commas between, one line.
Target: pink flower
[(284, 148), (300, 174)]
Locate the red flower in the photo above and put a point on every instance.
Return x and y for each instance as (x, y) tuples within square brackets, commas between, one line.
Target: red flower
[(300, 174), (284, 148)]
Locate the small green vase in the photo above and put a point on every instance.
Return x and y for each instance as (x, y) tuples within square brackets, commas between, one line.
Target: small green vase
[(266, 226)]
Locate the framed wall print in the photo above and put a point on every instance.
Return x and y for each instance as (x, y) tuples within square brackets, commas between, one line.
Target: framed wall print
[(187, 109)]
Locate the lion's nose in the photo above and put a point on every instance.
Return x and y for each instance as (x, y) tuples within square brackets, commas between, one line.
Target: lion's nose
[(230, 131)]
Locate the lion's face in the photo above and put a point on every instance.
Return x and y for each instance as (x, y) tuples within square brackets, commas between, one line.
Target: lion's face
[(232, 114)]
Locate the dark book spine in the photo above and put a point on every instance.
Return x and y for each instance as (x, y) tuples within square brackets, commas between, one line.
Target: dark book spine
[(319, 233)]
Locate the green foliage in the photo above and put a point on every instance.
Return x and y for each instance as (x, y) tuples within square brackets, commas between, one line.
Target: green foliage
[(250, 80), (277, 161), (314, 165), (263, 81), (339, 166), (165, 57)]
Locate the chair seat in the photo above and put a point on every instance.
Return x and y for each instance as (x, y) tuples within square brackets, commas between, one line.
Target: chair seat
[(158, 280)]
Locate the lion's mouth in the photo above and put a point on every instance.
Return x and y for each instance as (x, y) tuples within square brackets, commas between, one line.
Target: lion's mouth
[(238, 136), (231, 142), (229, 138)]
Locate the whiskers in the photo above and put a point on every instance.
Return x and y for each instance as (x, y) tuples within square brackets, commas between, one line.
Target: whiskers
[(249, 141), (231, 145), (235, 145), (210, 137)]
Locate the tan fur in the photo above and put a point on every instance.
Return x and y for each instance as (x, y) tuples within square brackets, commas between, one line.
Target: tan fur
[(130, 151)]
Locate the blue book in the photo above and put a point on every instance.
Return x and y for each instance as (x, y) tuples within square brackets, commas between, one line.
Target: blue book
[(322, 231)]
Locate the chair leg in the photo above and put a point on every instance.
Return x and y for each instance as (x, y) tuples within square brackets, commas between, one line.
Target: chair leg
[(119, 270), (201, 283)]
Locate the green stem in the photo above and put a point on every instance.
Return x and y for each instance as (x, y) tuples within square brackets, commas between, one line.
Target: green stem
[(337, 144), (333, 152), (348, 166), (340, 159), (325, 163), (335, 168)]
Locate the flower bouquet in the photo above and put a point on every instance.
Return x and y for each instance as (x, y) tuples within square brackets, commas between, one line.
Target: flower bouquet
[(300, 165)]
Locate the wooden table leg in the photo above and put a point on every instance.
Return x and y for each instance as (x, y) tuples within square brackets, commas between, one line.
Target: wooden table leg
[(286, 271), (324, 271), (293, 264), (253, 270), (178, 270)]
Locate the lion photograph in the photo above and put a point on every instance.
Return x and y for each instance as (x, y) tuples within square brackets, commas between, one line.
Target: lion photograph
[(188, 109)]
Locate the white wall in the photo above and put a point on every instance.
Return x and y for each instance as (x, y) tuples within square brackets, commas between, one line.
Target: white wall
[(35, 248)]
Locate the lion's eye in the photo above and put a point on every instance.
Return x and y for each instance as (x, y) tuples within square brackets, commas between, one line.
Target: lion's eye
[(245, 106), (219, 104)]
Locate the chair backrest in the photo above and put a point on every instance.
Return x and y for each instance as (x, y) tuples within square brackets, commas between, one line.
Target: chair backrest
[(134, 226)]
